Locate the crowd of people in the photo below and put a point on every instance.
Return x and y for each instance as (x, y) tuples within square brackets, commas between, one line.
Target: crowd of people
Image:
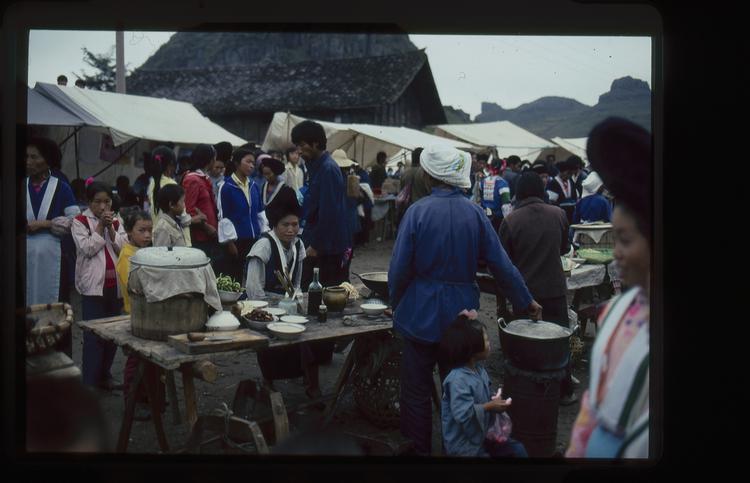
[(302, 212)]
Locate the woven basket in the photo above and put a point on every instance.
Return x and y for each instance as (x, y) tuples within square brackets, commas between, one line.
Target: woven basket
[(607, 241), (46, 324), (377, 396)]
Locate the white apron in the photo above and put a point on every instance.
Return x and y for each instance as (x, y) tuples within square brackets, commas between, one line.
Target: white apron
[(43, 255)]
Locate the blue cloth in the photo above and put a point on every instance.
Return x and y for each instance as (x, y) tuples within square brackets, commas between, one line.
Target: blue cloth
[(465, 422), (592, 208), (432, 274), (234, 206), (98, 354), (354, 224), (325, 208), (495, 201), (603, 444)]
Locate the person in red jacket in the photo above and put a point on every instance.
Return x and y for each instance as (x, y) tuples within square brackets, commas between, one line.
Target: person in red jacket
[(199, 199)]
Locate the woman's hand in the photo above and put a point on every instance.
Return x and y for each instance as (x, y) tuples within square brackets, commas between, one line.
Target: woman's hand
[(210, 230), (36, 225), (535, 310), (311, 252), (199, 217)]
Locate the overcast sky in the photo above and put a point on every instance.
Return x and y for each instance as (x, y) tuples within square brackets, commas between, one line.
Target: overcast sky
[(507, 70)]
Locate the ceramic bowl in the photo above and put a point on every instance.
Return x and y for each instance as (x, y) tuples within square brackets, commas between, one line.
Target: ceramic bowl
[(223, 320), (294, 319), (373, 309), (286, 331), (229, 297)]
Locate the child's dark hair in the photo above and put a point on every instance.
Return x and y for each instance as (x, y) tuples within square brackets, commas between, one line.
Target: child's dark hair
[(97, 187), (462, 339), (169, 195), (133, 217)]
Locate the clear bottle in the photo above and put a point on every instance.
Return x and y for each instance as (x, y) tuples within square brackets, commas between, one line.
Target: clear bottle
[(314, 293)]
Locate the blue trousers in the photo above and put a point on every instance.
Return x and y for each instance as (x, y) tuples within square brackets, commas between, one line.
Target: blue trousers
[(510, 449), (98, 354), (417, 363)]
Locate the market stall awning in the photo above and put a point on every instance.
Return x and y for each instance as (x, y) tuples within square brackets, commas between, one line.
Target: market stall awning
[(504, 136), (360, 141), (41, 111), (575, 146), (129, 117)]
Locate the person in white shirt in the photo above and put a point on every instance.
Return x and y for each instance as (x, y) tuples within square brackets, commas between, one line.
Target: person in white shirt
[(295, 172)]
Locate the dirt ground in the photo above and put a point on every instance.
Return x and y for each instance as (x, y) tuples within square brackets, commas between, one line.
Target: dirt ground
[(348, 418)]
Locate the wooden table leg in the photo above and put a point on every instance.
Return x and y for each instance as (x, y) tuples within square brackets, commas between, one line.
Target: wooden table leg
[(152, 388), (191, 408), (127, 418), (346, 371), (172, 392)]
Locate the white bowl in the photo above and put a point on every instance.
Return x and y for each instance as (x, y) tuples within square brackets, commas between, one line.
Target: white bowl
[(229, 297), (294, 319), (223, 320), (256, 304), (258, 324), (286, 331), (278, 312), (373, 309)]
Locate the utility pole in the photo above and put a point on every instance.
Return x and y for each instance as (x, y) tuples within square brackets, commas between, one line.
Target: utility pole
[(120, 62)]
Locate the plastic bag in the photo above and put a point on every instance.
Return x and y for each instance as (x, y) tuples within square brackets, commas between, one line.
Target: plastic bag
[(501, 425)]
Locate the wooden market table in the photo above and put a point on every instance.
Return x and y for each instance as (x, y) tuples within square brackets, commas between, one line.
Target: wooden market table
[(154, 356)]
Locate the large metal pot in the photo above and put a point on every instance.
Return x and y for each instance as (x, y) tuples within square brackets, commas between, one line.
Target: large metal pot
[(535, 353), (375, 281)]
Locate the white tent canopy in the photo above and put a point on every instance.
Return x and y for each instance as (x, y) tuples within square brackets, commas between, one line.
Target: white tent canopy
[(575, 146), (41, 111), (504, 136), (129, 117), (360, 141)]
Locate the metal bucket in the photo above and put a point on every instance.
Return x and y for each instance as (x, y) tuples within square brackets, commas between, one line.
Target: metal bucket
[(536, 400)]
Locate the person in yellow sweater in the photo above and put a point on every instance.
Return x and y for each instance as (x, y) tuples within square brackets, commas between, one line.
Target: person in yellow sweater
[(138, 226)]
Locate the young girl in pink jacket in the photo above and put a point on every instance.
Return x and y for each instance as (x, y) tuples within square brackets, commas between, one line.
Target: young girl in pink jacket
[(98, 237)]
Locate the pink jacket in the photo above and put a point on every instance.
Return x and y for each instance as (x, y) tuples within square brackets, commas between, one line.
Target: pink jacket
[(91, 263)]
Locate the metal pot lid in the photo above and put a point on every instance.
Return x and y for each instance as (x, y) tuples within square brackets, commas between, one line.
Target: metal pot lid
[(173, 257), (536, 329)]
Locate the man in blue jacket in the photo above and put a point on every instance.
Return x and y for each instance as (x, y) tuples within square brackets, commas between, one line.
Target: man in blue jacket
[(432, 278), (327, 234)]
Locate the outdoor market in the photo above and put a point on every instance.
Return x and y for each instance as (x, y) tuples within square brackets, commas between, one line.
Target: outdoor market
[(333, 288)]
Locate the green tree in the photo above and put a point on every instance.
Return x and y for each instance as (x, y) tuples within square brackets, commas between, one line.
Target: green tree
[(104, 79)]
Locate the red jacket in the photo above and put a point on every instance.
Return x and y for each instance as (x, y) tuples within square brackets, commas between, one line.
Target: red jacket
[(199, 194)]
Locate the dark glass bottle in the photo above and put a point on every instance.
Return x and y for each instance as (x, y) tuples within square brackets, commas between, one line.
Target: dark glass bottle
[(322, 313), (314, 293)]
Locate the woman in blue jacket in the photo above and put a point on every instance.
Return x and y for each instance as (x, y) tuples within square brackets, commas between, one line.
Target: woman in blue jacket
[(241, 215), (432, 278)]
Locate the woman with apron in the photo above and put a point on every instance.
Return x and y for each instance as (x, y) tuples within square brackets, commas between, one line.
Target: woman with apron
[(50, 208), (281, 249), (613, 421)]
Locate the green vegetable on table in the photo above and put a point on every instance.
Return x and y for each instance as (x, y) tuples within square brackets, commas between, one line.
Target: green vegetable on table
[(227, 284)]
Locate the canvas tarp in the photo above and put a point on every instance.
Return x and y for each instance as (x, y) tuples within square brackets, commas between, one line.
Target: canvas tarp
[(129, 117), (575, 146), (41, 111), (503, 136), (360, 141)]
